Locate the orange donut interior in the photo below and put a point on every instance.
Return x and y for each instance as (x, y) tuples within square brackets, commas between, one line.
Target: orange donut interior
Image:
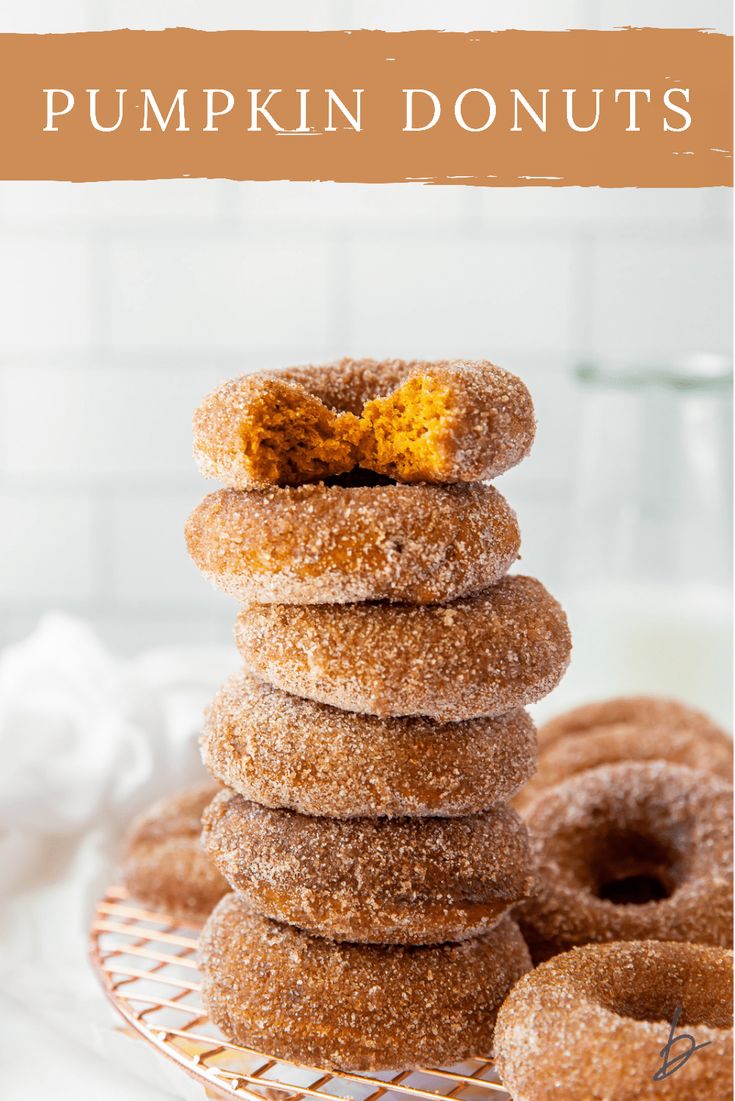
[(291, 437), (408, 434)]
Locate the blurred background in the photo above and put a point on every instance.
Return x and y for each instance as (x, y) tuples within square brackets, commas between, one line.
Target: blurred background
[(123, 304)]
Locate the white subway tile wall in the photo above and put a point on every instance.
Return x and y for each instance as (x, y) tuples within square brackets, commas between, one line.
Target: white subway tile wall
[(121, 305)]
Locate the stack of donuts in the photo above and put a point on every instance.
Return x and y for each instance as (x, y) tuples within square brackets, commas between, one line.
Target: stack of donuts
[(371, 745)]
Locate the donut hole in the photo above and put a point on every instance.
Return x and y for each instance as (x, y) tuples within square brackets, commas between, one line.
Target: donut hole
[(633, 890), (407, 434), (294, 438), (660, 982), (359, 478), (660, 1004), (632, 868)]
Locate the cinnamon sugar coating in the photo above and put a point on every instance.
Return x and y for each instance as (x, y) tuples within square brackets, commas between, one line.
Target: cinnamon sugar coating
[(482, 655), (592, 1023), (321, 544), (450, 421), (446, 421), (162, 861), (283, 751), (699, 746), (262, 430), (374, 880), (657, 713), (354, 1006), (634, 851)]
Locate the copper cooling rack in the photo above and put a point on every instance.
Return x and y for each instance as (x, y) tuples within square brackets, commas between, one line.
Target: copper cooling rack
[(146, 962)]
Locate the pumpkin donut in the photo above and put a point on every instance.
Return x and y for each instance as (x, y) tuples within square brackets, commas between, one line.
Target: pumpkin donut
[(322, 544), (282, 751), (361, 1007), (634, 851), (448, 421), (374, 880), (482, 655), (701, 745), (596, 1021), (163, 864), (639, 713)]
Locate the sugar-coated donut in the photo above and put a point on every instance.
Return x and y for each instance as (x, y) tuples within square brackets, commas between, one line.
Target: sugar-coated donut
[(321, 544), (354, 1006), (637, 712), (283, 751), (634, 851), (482, 655), (701, 745), (162, 861), (374, 880), (452, 421), (448, 421), (595, 1023)]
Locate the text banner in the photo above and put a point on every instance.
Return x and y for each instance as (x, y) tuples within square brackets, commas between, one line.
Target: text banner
[(633, 107)]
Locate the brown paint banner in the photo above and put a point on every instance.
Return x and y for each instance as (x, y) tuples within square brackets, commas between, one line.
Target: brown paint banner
[(633, 107)]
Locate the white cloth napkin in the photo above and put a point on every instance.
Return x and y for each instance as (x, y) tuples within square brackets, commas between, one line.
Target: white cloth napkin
[(86, 740)]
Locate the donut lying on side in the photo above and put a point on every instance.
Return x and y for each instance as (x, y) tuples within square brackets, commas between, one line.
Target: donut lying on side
[(163, 863), (596, 1021), (634, 851), (641, 729), (354, 1006), (634, 712), (373, 880), (339, 544), (283, 751), (449, 421), (501, 649)]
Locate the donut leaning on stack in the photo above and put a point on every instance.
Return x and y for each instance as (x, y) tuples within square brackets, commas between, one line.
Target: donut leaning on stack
[(162, 862), (376, 734), (626, 728)]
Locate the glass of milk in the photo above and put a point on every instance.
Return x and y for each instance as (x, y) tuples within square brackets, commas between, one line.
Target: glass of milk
[(647, 573)]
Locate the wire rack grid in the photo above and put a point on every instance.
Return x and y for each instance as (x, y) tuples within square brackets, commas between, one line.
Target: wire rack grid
[(146, 962)]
